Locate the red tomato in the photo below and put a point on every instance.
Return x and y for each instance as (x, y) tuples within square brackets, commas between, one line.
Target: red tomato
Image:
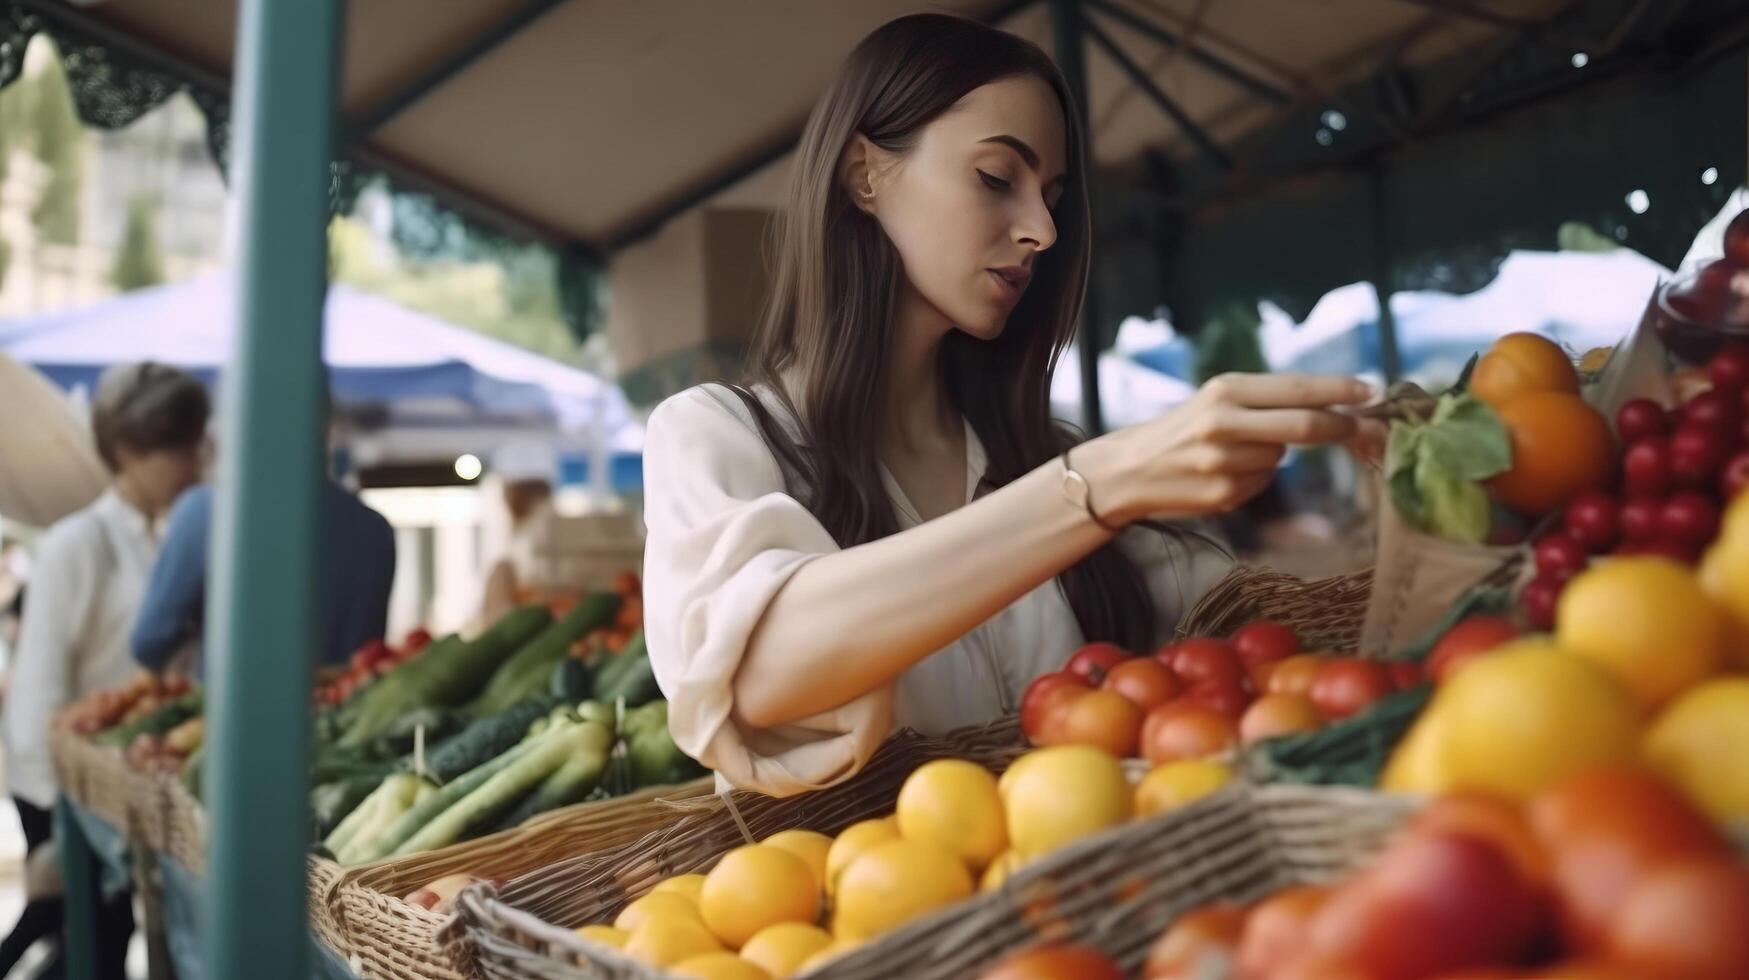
[(1203, 659), (1406, 673), (1145, 682), (1264, 642), (1468, 638), (1277, 930), (1347, 685), (1498, 821), (1186, 731), (1212, 930), (1053, 708), (1092, 662), (1295, 674), (1278, 714), (1687, 919), (1605, 831), (1057, 961), (1228, 698), (1038, 698), (1102, 719)]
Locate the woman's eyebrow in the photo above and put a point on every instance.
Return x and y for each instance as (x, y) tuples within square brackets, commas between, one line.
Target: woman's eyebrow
[(1027, 153)]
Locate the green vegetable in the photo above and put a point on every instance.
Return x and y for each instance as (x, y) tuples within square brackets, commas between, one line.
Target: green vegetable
[(333, 802), (409, 823), (380, 809), (334, 763), (488, 802), (572, 782), (192, 768), (1350, 752), (445, 674), (166, 717), (483, 740), (570, 680), (398, 739), (651, 754), (1434, 469), (600, 712), (627, 675), (530, 671)]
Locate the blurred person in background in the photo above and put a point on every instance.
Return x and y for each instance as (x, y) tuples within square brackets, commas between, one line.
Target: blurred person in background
[(356, 569), (525, 471), (149, 421)]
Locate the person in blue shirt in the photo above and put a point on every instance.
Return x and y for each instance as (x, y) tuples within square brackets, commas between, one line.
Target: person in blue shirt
[(355, 568)]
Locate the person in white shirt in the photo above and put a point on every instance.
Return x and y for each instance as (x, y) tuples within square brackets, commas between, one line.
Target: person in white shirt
[(885, 527), (149, 421), (525, 472)]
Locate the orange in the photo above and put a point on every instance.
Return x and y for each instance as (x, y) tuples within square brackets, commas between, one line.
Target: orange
[(1645, 620), (1701, 742), (895, 882), (1175, 784), (780, 950), (1059, 795), (718, 966), (1520, 363), (811, 846), (755, 886), (1560, 447), (954, 803)]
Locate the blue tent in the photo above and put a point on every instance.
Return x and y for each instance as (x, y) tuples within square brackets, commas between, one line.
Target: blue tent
[(443, 388)]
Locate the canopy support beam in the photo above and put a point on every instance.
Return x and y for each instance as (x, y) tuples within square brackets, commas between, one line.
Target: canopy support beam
[(261, 615), (1141, 80), (1067, 22), (457, 62), (1257, 87)]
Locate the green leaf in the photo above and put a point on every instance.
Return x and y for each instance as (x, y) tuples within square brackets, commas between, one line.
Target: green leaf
[(1467, 439), (1456, 508)]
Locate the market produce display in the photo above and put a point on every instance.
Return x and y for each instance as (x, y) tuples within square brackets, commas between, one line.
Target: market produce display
[(1608, 874)]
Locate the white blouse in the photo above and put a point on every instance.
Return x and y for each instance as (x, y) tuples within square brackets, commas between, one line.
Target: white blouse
[(724, 536)]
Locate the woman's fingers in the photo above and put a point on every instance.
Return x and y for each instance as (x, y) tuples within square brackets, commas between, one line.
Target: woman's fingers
[(1288, 390), (1286, 426)]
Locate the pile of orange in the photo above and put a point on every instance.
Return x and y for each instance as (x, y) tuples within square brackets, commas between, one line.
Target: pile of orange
[(1560, 445)]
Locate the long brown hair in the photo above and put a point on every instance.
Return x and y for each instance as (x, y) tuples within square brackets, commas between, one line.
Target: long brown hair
[(828, 324)]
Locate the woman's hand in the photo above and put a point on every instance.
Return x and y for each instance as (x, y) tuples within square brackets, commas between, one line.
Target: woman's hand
[(1218, 449)]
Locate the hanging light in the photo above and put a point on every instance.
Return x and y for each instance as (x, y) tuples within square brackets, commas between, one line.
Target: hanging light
[(468, 467), (1639, 202), (1709, 176), (1581, 59)]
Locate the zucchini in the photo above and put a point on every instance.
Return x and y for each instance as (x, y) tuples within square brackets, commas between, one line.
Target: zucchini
[(330, 803), (573, 781), (413, 820), (530, 669), (482, 806), (628, 676), (388, 801), (570, 680), (483, 740), (399, 737)]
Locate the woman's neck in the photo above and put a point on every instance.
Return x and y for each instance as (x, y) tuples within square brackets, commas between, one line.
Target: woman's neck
[(134, 497), (918, 412)]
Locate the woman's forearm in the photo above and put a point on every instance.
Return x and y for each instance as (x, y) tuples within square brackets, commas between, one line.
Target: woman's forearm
[(849, 622)]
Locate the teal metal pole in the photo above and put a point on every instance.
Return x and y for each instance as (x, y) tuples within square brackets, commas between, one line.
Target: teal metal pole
[(261, 613), (78, 870)]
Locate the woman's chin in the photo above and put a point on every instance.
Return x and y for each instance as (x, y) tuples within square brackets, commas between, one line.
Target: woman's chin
[(986, 328)]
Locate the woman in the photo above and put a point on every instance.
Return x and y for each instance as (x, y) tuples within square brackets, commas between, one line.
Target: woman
[(90, 572), (888, 529)]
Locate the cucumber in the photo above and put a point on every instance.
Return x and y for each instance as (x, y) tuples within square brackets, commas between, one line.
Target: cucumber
[(628, 675), (409, 823), (570, 680), (573, 782), (530, 669), (483, 805), (483, 740), (389, 800)]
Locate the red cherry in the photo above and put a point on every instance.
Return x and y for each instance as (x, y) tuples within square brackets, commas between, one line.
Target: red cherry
[(1645, 467), (1689, 518), (1593, 519), (1638, 419), (1737, 240), (1735, 476), (1712, 408), (1677, 551), (1729, 368), (1715, 277), (1538, 601), (1558, 554), (1640, 520), (1696, 454)]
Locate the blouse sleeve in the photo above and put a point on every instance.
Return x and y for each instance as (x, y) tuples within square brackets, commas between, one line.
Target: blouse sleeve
[(723, 539), (1181, 568)]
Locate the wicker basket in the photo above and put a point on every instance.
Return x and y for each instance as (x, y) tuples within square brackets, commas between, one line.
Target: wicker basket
[(1326, 613), (1118, 890), (387, 937), (99, 779)]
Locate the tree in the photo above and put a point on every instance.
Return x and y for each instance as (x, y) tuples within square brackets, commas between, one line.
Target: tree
[(59, 139), (140, 261)]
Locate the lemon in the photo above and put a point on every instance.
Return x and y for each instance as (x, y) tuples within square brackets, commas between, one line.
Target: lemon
[(896, 882), (811, 847), (1006, 863), (656, 905), (757, 886), (718, 966), (1518, 719), (606, 935), (663, 942), (1062, 794), (780, 950), (1174, 784), (1418, 764), (851, 842), (686, 886), (838, 948), (1645, 620), (954, 803), (1724, 574), (1701, 743)]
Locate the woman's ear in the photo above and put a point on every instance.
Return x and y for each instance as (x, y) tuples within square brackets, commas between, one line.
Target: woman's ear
[(856, 172)]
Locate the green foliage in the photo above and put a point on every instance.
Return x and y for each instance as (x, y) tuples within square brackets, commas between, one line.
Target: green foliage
[(140, 261), (59, 143), (1229, 342), (1435, 468)]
